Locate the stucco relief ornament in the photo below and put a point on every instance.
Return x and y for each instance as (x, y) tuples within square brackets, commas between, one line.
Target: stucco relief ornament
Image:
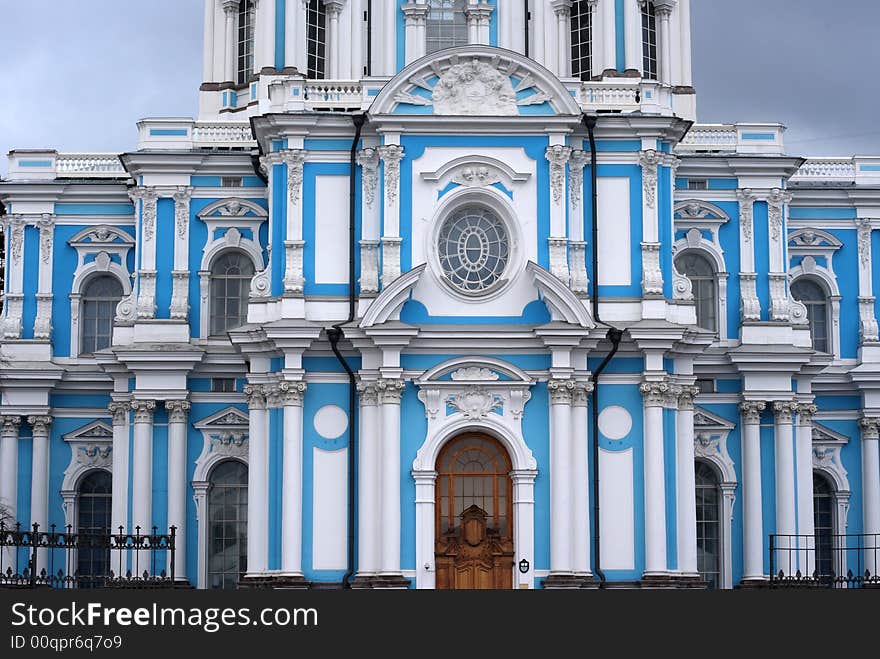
[(391, 155), (16, 237), (474, 88), (576, 164), (558, 156), (476, 176), (474, 373), (294, 159), (649, 160), (774, 211), (95, 456), (746, 211), (475, 402), (864, 241), (368, 159), (181, 210), (233, 208), (231, 444), (47, 233)]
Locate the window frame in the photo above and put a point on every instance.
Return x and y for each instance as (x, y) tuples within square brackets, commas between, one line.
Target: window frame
[(452, 27), (828, 304), (719, 521), (84, 299), (245, 55), (715, 280), (75, 554), (650, 46), (211, 282), (316, 45), (243, 484), (582, 11)]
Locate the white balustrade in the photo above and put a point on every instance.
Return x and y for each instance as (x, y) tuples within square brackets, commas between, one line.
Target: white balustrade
[(89, 165)]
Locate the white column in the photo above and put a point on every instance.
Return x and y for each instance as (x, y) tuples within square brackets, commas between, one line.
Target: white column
[(391, 155), (753, 529), (684, 10), (386, 31), (177, 481), (208, 42), (871, 490), (334, 44), (523, 525), (804, 462), (369, 445), (358, 29), (9, 477), (292, 394), (40, 479), (258, 481), (264, 39), (675, 46), (230, 46), (415, 15), (686, 499), (632, 26), (580, 478), (562, 11), (655, 488), (479, 15), (390, 391), (784, 469), (536, 31), (142, 467), (561, 532), (664, 42), (295, 35), (119, 513)]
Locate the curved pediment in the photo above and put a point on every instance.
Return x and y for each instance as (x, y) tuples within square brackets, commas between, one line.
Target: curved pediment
[(475, 80)]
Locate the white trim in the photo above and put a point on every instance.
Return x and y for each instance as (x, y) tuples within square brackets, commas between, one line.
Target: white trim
[(828, 282), (694, 241)]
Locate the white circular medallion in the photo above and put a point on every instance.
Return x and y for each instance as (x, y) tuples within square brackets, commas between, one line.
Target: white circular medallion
[(615, 422), (331, 421)]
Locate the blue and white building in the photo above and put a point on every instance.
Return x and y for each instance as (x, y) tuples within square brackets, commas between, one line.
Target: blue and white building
[(589, 340)]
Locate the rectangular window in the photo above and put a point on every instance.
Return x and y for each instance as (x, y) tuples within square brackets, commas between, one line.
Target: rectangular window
[(245, 41), (649, 41), (316, 39), (698, 184), (706, 386), (230, 181), (581, 40), (223, 385), (446, 25)]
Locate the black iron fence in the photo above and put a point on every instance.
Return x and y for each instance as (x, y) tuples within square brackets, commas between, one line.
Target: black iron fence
[(30, 558), (825, 561)]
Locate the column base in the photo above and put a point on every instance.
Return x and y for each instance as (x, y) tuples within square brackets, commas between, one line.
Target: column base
[(672, 582), (569, 582), (274, 582), (754, 583), (379, 582), (182, 584)]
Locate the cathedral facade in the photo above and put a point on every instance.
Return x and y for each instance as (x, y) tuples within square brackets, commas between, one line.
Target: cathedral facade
[(447, 294)]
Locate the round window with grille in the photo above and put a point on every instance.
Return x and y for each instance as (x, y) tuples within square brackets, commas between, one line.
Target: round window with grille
[(473, 249)]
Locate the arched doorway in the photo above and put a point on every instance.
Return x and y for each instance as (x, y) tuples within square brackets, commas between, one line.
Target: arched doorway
[(474, 515)]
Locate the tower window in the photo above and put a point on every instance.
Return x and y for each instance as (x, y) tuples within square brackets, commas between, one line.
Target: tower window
[(704, 279), (811, 295), (581, 40), (649, 41), (316, 39), (446, 25), (99, 300), (245, 41)]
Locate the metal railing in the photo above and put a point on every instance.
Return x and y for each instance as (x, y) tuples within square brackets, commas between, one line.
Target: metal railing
[(823, 561), (30, 558)]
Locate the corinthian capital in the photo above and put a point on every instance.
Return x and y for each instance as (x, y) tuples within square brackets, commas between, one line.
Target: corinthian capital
[(870, 427), (292, 393), (256, 396), (654, 393), (751, 411), (10, 424), (143, 410), (783, 410), (805, 414), (40, 424), (561, 390), (119, 411), (177, 410), (390, 390)]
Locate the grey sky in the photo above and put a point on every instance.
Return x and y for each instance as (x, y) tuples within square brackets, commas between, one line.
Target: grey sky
[(78, 74)]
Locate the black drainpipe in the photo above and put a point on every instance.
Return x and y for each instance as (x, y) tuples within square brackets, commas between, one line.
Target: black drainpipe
[(335, 333), (614, 335)]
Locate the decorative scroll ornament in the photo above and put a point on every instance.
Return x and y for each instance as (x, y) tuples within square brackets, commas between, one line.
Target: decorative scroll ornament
[(806, 411), (751, 411), (577, 255), (779, 303), (146, 300), (649, 160), (775, 203), (581, 393), (474, 88), (47, 233), (119, 412), (368, 159), (368, 393), (126, 310), (177, 410), (179, 295), (39, 425), (576, 163), (682, 286), (558, 248), (746, 200), (475, 402), (181, 210), (864, 241), (369, 279), (654, 393), (686, 397), (294, 159), (751, 305), (149, 198), (474, 373), (43, 321), (10, 424), (292, 393), (391, 155), (557, 155), (294, 280), (783, 410), (143, 410), (390, 390), (868, 329), (256, 396), (652, 275), (261, 284), (870, 427)]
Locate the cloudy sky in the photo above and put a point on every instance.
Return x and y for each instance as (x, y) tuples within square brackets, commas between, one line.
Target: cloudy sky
[(78, 74)]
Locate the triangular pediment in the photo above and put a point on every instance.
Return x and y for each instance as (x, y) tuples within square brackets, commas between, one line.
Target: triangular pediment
[(825, 435), (227, 418), (704, 419), (96, 431)]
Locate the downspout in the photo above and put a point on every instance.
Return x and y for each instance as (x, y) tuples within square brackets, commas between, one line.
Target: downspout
[(335, 333), (614, 335)]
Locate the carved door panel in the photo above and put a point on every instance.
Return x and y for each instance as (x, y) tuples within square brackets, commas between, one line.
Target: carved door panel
[(473, 556)]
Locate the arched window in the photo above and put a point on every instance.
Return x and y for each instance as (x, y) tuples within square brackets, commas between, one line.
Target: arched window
[(227, 524), (700, 271), (581, 40), (446, 25), (92, 526), (649, 41), (99, 299), (231, 275), (708, 523), (316, 39), (245, 41), (813, 297), (823, 524)]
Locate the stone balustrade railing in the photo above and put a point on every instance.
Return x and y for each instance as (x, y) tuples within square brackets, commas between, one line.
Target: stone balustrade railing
[(207, 134), (89, 165), (763, 139), (827, 169)]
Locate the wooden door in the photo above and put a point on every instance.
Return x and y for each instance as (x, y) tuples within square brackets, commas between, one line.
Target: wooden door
[(474, 534)]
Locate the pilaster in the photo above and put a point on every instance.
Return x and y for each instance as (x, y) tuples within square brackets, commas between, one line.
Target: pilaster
[(391, 156), (294, 278), (558, 156), (753, 530)]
